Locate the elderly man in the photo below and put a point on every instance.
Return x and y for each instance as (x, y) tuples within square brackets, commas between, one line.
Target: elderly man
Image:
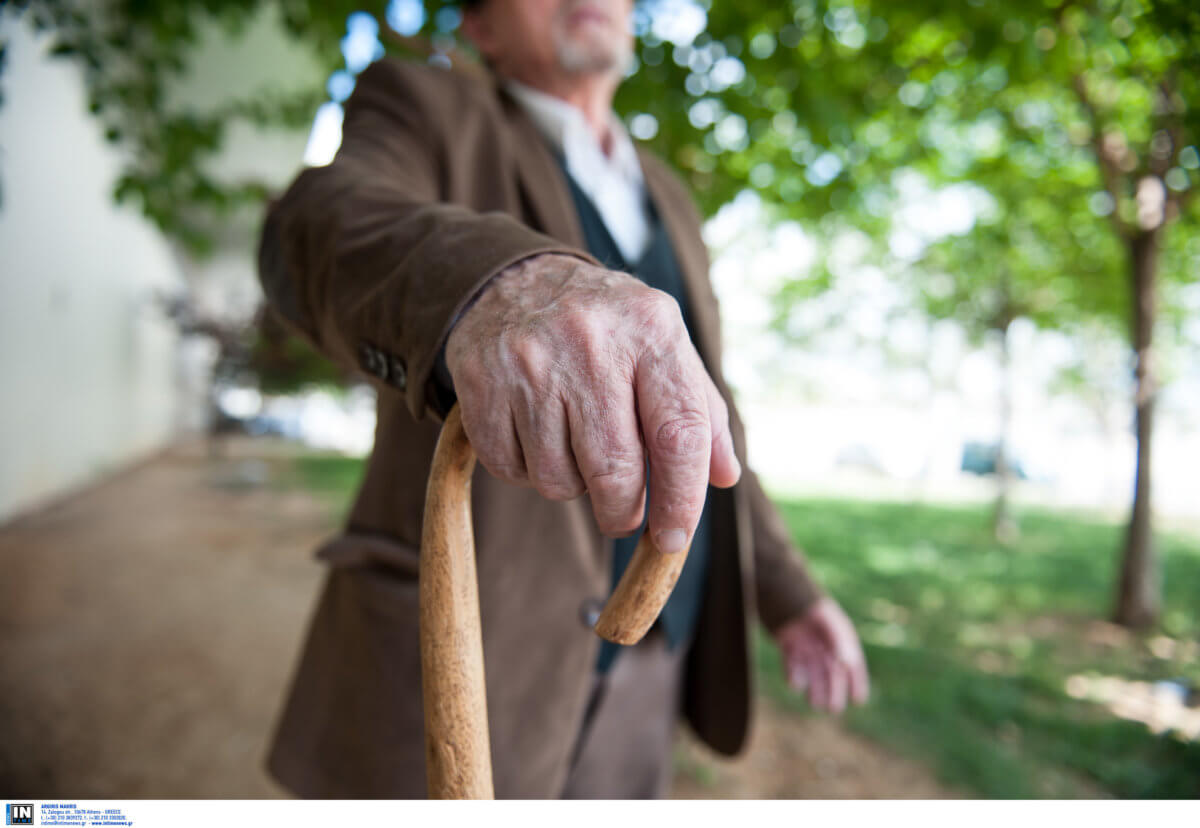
[(502, 242)]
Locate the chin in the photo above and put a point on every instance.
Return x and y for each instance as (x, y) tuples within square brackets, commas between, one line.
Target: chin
[(593, 55)]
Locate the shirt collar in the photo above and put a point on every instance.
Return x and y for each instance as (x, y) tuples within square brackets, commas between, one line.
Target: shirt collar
[(564, 126)]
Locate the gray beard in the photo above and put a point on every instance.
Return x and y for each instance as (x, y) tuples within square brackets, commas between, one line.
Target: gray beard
[(579, 59)]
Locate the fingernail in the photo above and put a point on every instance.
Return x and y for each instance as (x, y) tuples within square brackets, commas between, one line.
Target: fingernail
[(671, 541)]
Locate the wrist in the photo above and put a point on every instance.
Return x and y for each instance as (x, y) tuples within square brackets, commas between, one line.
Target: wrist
[(453, 342), (508, 298)]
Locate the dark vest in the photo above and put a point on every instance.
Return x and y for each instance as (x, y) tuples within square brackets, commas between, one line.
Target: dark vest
[(658, 268)]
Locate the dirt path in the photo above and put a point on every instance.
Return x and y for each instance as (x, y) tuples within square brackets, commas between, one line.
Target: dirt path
[(149, 624), (793, 757)]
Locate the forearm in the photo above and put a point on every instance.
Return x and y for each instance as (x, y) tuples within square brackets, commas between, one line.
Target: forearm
[(368, 259), (359, 268), (785, 587)]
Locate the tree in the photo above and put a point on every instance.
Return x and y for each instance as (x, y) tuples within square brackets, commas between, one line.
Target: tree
[(1074, 116)]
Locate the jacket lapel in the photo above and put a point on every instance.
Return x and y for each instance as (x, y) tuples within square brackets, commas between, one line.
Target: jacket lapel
[(544, 193), (692, 256)]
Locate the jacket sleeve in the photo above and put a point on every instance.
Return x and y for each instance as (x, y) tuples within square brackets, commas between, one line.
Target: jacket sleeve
[(366, 258)]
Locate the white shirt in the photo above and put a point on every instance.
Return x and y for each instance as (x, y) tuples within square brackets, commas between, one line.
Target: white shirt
[(614, 184)]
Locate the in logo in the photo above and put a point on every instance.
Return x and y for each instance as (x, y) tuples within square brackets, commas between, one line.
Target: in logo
[(19, 814)]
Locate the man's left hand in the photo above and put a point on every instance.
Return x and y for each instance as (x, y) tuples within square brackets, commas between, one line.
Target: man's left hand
[(822, 654)]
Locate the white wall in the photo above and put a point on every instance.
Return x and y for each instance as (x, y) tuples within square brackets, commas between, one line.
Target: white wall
[(92, 376), (87, 376), (261, 58)]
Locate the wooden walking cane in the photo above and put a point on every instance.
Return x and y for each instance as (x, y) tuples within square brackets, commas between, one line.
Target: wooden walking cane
[(458, 761)]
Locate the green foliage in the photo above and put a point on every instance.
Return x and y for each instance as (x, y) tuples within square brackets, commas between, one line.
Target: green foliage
[(971, 643), (814, 105), (284, 363), (130, 53), (1057, 110), (333, 477)]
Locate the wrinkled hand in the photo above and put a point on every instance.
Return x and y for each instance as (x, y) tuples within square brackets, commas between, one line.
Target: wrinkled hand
[(821, 652), (569, 375)]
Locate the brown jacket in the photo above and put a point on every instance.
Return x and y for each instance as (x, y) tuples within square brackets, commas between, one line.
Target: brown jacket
[(442, 181)]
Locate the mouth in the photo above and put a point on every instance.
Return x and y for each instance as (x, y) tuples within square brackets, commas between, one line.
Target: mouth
[(588, 16)]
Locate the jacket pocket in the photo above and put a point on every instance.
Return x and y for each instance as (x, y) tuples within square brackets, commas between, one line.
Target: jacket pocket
[(358, 549)]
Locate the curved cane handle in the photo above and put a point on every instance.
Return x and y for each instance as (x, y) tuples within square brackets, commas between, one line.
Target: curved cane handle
[(458, 761), (641, 593)]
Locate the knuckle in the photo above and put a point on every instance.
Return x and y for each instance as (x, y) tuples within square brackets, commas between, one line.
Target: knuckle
[(658, 309), (559, 489), (687, 435), (585, 327), (615, 526), (619, 480), (500, 464), (720, 430), (720, 413), (510, 472), (557, 483), (475, 425), (470, 384), (664, 303), (530, 358), (591, 337)]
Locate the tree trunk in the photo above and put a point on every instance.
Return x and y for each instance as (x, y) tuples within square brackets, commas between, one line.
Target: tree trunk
[(1139, 597), (1004, 527)]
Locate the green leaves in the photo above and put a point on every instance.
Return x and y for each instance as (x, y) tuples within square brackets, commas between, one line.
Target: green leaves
[(813, 104), (1056, 112), (131, 53)]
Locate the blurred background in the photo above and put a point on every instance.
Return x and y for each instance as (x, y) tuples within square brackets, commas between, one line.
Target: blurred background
[(957, 254)]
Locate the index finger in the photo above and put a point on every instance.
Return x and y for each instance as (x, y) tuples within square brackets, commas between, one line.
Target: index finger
[(860, 682), (850, 653), (678, 438)]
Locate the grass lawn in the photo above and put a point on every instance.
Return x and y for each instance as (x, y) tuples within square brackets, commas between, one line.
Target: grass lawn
[(971, 644)]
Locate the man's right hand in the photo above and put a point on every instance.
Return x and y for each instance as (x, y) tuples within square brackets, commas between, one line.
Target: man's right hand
[(569, 375)]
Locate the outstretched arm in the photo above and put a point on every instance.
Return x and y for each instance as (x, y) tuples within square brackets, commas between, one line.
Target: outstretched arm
[(566, 373), (367, 258)]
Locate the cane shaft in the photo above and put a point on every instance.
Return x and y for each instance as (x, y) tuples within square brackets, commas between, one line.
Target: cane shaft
[(458, 760)]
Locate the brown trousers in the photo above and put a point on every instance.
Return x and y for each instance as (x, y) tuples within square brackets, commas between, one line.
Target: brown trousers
[(625, 744)]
